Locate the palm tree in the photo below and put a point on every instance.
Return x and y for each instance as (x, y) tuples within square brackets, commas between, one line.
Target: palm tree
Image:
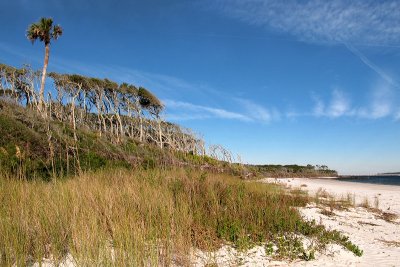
[(44, 31)]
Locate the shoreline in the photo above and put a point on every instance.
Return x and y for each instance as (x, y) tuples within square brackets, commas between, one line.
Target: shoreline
[(388, 195)]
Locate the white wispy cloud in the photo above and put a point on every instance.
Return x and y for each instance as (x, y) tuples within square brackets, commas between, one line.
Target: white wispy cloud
[(397, 115), (250, 111), (12, 51), (319, 107), (367, 22), (193, 111), (258, 112), (379, 105), (339, 105), (371, 65)]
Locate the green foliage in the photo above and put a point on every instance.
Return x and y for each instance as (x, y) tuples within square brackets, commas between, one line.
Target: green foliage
[(21, 149), (269, 248), (44, 31), (336, 236), (289, 246), (148, 163), (308, 256), (293, 170), (197, 159), (92, 161), (149, 101), (229, 230)]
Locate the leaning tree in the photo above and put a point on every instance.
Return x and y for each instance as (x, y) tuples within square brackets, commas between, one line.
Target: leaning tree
[(154, 106), (45, 32)]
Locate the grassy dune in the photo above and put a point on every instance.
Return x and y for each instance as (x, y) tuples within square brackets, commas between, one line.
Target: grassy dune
[(145, 217)]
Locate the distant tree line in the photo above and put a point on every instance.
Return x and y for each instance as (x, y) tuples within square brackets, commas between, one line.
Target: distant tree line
[(294, 170), (117, 111)]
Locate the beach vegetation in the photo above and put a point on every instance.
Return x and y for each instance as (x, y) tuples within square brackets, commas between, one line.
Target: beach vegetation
[(365, 203), (376, 202), (388, 216), (126, 217)]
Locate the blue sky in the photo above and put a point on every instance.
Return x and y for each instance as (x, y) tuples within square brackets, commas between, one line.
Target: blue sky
[(277, 82)]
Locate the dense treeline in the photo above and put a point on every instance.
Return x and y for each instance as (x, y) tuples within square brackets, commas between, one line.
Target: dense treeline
[(116, 110), (294, 170)]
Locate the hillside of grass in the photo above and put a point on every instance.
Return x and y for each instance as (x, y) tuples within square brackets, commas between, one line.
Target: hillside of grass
[(32, 147)]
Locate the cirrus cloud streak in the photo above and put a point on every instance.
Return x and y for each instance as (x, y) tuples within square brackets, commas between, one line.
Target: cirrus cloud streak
[(366, 22)]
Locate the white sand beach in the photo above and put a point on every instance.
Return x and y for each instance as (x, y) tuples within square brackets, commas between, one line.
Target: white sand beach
[(388, 195), (377, 237)]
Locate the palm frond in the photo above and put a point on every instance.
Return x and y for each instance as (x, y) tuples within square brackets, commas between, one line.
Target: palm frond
[(57, 32), (33, 32), (44, 31)]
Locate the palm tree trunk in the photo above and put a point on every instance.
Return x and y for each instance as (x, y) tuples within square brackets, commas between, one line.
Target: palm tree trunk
[(46, 62)]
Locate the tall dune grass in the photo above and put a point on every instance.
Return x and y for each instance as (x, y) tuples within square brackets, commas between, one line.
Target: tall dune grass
[(138, 218)]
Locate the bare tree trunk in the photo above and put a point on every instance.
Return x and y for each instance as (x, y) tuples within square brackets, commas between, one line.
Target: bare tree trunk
[(141, 128), (75, 148), (99, 116), (73, 117), (160, 132), (121, 128), (46, 62)]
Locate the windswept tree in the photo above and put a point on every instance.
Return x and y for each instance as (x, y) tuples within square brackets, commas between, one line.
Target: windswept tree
[(45, 32), (154, 106)]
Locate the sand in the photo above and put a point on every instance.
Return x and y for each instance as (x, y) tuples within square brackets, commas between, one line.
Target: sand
[(388, 195), (378, 238)]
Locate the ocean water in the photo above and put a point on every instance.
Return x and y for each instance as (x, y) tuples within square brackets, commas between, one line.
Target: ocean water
[(386, 180)]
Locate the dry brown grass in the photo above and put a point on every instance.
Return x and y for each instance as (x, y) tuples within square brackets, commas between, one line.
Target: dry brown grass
[(322, 193), (390, 243), (138, 218), (327, 212), (388, 216)]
